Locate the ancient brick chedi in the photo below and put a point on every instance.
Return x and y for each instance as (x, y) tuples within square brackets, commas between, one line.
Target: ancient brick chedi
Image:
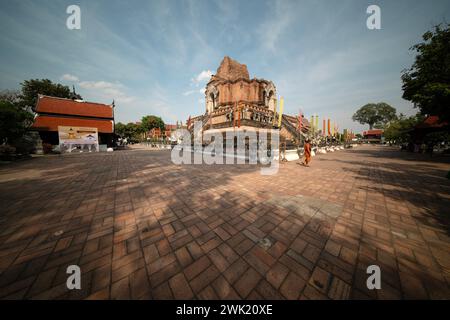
[(234, 101)]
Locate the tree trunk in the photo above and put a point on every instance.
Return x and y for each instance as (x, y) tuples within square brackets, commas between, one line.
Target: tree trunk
[(370, 126)]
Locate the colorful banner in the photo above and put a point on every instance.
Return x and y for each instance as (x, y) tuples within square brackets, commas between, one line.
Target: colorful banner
[(281, 111), (274, 120), (329, 127), (324, 132)]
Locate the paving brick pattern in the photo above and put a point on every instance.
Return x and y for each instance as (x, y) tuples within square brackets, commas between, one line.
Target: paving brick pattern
[(141, 227)]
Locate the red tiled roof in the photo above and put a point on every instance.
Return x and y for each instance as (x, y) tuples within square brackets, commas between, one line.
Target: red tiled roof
[(49, 123), (373, 132), (431, 122), (54, 105)]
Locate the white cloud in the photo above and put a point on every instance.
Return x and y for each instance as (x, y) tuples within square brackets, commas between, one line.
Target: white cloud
[(284, 14), (69, 77), (102, 89), (107, 90), (99, 85), (125, 99), (199, 80), (202, 76), (189, 92)]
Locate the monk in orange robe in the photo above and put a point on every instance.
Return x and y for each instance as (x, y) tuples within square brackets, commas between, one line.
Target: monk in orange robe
[(307, 148)]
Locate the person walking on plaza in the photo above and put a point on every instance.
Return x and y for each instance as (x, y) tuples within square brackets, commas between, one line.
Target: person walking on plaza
[(307, 148)]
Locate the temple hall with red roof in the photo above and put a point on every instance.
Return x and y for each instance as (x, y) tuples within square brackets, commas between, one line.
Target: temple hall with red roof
[(52, 112)]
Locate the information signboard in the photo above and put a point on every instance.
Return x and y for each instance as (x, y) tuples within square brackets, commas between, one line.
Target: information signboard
[(78, 139)]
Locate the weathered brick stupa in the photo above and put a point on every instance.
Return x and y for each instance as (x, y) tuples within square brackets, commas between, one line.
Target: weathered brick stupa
[(236, 102)]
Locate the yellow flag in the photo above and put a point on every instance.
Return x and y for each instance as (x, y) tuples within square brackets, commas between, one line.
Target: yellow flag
[(281, 111)]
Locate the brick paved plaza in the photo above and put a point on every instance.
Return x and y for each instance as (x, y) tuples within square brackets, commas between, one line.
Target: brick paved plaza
[(141, 227)]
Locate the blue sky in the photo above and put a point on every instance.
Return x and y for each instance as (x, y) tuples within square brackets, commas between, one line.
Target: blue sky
[(154, 57)]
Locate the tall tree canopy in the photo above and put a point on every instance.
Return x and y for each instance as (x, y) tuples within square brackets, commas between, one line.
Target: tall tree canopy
[(375, 114), (12, 96), (31, 89), (14, 121), (129, 130), (150, 122), (400, 129), (427, 82)]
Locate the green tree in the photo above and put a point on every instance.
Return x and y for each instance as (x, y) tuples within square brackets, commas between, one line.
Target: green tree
[(14, 122), (427, 82), (400, 129), (120, 129), (31, 89), (375, 114), (129, 130), (150, 122), (12, 96), (437, 137)]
